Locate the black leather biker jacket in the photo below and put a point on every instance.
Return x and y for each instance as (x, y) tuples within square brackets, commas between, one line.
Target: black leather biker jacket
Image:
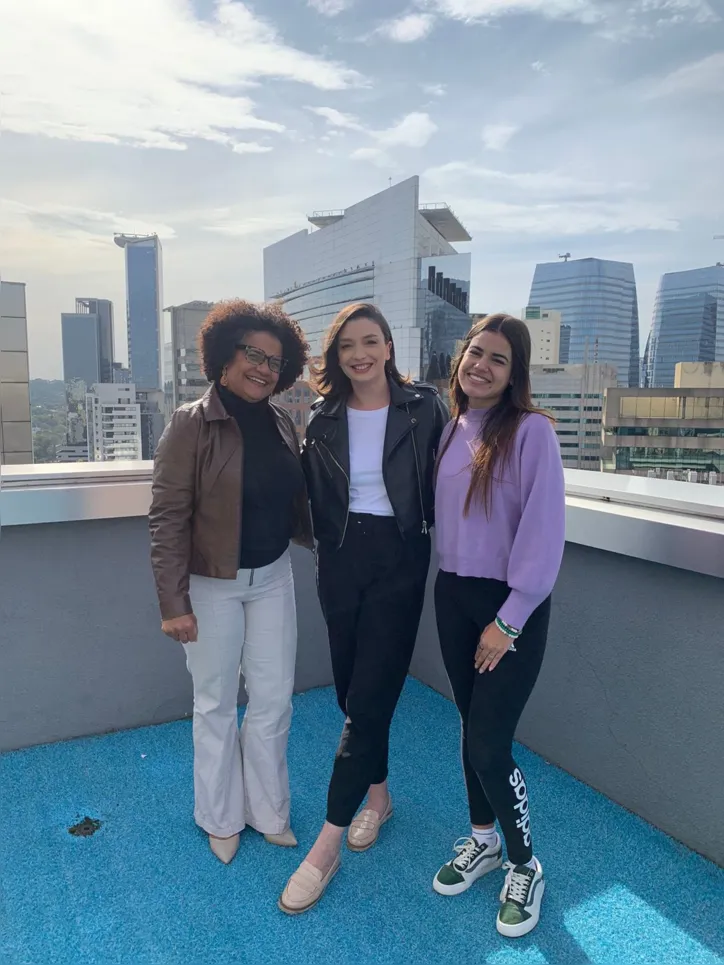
[(416, 418)]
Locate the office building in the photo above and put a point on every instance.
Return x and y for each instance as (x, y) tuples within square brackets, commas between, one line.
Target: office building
[(544, 325), (144, 284), (153, 419), (298, 403), (16, 437), (688, 323), (664, 432), (121, 375), (390, 250), (599, 308), (114, 423), (574, 395), (699, 375), (183, 379), (87, 336)]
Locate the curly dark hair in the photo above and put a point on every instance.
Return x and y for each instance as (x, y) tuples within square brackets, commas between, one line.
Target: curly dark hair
[(229, 321)]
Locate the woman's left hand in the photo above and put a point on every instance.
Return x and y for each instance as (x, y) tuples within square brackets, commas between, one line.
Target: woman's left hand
[(493, 646)]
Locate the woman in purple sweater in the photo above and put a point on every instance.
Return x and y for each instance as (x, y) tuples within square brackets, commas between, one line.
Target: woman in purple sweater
[(500, 511)]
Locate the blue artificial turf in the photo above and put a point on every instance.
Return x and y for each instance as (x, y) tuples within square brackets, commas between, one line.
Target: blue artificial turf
[(146, 890)]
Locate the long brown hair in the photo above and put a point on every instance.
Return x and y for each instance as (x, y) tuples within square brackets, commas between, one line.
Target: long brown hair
[(328, 379), (497, 433)]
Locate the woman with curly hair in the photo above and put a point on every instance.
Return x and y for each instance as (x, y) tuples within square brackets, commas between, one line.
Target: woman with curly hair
[(228, 495)]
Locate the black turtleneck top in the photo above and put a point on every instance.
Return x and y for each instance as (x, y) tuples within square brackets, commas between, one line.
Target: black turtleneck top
[(271, 479)]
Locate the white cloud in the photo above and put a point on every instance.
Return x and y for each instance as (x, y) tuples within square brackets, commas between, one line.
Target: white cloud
[(330, 8), (471, 10), (544, 202), (144, 74), (408, 29), (563, 218), (69, 221), (702, 77), (376, 155), (336, 118), (414, 130), (614, 19), (250, 147), (545, 184), (55, 238), (540, 67), (497, 136), (435, 90)]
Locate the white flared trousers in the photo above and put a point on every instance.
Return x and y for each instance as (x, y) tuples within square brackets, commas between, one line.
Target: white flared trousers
[(248, 625)]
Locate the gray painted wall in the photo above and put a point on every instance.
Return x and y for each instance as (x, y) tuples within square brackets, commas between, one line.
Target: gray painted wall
[(630, 698), (81, 651)]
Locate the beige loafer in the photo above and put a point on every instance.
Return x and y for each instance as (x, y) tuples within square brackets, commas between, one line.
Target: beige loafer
[(224, 848), (305, 887), (286, 839), (365, 829)]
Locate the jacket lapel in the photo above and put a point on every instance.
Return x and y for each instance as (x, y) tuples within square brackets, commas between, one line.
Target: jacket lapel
[(228, 438), (401, 419)]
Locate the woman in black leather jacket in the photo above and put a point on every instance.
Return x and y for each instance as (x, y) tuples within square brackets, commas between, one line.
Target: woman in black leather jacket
[(368, 458)]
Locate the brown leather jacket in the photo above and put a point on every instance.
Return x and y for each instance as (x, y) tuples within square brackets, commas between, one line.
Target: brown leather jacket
[(195, 516)]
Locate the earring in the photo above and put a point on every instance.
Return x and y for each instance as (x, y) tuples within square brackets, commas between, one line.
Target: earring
[(224, 378)]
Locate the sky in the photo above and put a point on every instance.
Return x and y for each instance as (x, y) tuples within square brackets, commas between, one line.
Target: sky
[(594, 127)]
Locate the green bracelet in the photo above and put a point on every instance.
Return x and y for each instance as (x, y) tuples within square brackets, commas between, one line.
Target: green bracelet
[(506, 629)]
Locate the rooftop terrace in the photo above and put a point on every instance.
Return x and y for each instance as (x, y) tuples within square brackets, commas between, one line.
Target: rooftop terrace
[(145, 888), (629, 702)]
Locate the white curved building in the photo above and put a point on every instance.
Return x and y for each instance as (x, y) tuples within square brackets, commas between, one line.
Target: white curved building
[(389, 250)]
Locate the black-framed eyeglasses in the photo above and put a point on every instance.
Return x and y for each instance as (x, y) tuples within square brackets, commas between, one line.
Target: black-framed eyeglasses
[(255, 356)]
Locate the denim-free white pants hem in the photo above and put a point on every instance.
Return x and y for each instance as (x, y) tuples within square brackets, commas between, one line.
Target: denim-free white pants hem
[(248, 625)]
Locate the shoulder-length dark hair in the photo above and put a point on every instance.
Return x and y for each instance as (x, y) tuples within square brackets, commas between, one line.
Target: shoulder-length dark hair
[(228, 322), (497, 433), (328, 378)]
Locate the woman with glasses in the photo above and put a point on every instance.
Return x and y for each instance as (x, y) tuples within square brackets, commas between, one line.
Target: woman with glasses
[(368, 456), (228, 495)]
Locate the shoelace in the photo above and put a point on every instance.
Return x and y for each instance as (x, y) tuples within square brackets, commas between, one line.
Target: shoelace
[(517, 884), (467, 849)]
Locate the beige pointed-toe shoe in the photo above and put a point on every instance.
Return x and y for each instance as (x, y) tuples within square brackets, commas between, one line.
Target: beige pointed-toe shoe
[(286, 839), (224, 848)]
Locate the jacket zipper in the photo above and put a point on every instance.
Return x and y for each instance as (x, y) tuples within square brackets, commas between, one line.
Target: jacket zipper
[(341, 469), (419, 479), (324, 462)]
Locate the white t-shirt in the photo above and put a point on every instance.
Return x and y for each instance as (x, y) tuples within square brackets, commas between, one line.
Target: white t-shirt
[(367, 493)]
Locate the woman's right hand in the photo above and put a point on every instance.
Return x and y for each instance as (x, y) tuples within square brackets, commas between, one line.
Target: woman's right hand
[(183, 629)]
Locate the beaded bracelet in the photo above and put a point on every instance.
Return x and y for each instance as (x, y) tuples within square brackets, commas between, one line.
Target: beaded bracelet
[(507, 629)]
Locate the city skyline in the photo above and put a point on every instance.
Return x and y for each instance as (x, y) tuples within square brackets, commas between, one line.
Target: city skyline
[(595, 137)]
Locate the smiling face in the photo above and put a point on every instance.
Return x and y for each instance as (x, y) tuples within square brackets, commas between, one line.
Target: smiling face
[(251, 381), (362, 351), (485, 369)]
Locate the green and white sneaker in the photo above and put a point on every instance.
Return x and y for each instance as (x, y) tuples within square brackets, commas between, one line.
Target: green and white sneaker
[(520, 899), (472, 862)]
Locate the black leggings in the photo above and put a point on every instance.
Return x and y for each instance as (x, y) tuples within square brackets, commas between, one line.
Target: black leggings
[(371, 590), (491, 703)]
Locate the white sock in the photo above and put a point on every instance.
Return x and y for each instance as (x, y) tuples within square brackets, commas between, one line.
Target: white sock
[(487, 836)]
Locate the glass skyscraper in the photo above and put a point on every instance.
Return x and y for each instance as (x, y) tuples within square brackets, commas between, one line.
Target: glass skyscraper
[(599, 312), (688, 323), (87, 337), (143, 298)]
